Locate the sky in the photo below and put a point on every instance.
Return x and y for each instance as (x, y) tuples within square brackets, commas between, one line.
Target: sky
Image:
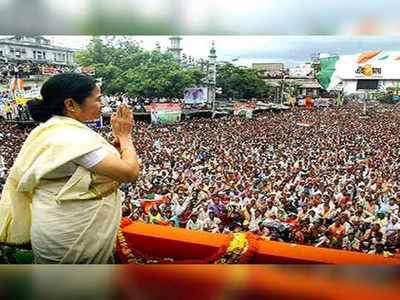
[(287, 31), (290, 50)]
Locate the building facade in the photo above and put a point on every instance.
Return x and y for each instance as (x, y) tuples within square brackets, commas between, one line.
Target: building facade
[(34, 49), (361, 73), (269, 70), (301, 71)]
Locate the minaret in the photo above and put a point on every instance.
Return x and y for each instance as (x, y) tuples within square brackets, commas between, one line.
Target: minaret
[(175, 48), (158, 47), (212, 75)]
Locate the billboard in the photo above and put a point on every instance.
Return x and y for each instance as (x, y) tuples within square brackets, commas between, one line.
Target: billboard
[(164, 113), (165, 117), (22, 97), (32, 93), (369, 65), (196, 95), (244, 109), (49, 71)]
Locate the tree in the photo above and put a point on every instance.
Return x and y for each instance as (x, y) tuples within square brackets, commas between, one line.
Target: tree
[(240, 82), (128, 68)]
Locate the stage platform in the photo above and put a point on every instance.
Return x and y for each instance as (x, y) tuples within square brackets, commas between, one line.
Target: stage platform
[(182, 244)]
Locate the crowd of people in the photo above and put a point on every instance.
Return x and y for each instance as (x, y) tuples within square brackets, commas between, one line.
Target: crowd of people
[(326, 178), (10, 110), (138, 104), (23, 70)]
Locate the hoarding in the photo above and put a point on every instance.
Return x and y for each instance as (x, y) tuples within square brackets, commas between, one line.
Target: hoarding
[(196, 95)]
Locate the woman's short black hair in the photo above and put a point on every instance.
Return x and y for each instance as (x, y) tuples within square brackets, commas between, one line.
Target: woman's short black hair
[(58, 88)]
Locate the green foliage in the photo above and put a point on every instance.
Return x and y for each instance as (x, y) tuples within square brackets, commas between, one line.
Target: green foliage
[(240, 83), (127, 68)]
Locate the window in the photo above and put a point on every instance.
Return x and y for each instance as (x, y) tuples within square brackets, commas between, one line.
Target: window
[(367, 84), (1, 53), (44, 55), (34, 54)]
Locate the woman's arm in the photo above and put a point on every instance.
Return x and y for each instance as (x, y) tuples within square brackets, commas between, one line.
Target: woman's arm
[(126, 168)]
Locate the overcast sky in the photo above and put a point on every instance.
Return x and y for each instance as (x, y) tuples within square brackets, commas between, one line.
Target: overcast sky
[(290, 50)]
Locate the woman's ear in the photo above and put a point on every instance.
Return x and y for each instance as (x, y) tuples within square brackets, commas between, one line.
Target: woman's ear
[(70, 105)]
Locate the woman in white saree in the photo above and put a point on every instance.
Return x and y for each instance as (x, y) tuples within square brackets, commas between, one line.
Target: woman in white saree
[(62, 192)]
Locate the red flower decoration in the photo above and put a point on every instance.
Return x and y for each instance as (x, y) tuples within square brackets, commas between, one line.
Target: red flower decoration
[(125, 222)]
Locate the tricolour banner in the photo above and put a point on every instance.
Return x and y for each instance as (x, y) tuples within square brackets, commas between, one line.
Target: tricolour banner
[(164, 113), (244, 109)]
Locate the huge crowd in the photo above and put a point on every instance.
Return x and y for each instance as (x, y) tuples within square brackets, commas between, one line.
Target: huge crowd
[(24, 70), (326, 178), (138, 104)]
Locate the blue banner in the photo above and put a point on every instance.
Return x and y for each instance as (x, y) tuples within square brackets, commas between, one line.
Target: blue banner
[(95, 124)]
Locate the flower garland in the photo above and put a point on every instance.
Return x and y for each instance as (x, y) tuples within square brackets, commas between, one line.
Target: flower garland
[(237, 247), (240, 248)]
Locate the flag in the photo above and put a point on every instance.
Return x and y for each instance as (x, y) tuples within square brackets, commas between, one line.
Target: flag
[(366, 56), (327, 76), (146, 204), (20, 84), (13, 84)]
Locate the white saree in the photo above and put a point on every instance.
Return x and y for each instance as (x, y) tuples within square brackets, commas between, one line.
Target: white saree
[(68, 220)]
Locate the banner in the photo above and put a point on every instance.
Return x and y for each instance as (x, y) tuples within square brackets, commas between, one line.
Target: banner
[(164, 113), (244, 109), (49, 71), (16, 84), (22, 97), (249, 114), (32, 93), (95, 124), (165, 117), (21, 100), (163, 106), (378, 65), (322, 102), (196, 95)]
